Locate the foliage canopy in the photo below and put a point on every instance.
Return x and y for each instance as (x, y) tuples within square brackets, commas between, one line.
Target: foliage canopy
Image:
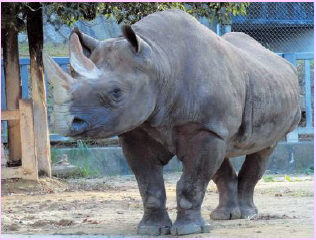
[(127, 12), (131, 12)]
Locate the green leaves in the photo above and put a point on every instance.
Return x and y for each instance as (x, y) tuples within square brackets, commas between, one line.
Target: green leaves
[(131, 12), (127, 12)]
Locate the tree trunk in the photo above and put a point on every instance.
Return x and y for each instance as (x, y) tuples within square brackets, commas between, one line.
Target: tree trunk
[(35, 39), (12, 84)]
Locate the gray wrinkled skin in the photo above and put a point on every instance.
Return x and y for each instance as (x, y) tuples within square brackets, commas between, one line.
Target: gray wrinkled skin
[(182, 91)]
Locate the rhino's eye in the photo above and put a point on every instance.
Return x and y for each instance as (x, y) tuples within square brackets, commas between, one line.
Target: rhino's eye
[(116, 93)]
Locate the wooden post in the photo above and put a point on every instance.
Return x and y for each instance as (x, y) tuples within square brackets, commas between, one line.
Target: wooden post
[(12, 81), (35, 38), (29, 161)]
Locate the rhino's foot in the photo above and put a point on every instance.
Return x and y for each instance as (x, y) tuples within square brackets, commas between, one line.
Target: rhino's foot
[(153, 230), (226, 213), (189, 227), (248, 211), (155, 225)]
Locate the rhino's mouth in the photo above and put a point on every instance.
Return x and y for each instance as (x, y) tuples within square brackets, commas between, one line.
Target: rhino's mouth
[(91, 134), (78, 135)]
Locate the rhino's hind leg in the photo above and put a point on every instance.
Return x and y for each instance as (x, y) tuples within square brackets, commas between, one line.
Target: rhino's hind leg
[(146, 158), (251, 172), (226, 181), (201, 156)]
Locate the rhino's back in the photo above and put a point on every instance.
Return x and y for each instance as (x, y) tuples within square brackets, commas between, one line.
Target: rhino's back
[(253, 92), (271, 104), (258, 52)]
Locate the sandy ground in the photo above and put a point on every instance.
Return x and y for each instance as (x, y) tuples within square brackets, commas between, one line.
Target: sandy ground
[(112, 207)]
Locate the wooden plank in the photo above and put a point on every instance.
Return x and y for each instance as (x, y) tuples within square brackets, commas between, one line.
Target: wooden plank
[(29, 159), (11, 172), (12, 86), (308, 94), (35, 38), (10, 115)]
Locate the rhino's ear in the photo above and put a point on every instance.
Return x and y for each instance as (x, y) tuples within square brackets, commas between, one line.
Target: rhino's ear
[(60, 80), (88, 43), (130, 35), (81, 64)]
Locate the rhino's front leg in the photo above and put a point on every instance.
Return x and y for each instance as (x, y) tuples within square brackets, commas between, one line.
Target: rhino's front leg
[(146, 158), (201, 154)]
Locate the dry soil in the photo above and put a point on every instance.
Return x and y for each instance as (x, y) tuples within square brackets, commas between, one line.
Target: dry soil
[(112, 207)]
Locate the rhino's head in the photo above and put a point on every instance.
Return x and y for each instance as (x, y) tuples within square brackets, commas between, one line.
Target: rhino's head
[(109, 90)]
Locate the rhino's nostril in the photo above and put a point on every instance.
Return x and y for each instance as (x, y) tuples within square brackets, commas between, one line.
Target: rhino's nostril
[(79, 125)]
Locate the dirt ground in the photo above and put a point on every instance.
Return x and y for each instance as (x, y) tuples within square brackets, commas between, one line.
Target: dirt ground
[(112, 207)]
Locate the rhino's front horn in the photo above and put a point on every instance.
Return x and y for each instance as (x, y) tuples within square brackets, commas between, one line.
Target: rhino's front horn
[(79, 62), (60, 80)]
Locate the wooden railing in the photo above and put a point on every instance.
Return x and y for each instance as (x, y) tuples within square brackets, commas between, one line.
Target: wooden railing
[(29, 166)]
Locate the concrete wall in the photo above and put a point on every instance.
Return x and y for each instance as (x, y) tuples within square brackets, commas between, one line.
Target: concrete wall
[(287, 158)]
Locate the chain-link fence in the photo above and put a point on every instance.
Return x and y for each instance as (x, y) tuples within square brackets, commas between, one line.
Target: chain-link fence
[(283, 27), (279, 26)]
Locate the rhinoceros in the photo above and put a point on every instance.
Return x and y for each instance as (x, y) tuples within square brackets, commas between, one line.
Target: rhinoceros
[(169, 86)]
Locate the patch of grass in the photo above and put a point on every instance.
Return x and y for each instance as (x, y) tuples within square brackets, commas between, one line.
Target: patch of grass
[(82, 159), (79, 158), (55, 155), (288, 178), (86, 172), (309, 170), (53, 50), (56, 50), (268, 179)]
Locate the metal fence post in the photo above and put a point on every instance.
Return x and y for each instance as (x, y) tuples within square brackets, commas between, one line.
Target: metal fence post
[(218, 29), (308, 94), (292, 136)]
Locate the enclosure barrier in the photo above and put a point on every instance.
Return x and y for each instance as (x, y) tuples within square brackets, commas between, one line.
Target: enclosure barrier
[(309, 128), (29, 166), (63, 63)]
